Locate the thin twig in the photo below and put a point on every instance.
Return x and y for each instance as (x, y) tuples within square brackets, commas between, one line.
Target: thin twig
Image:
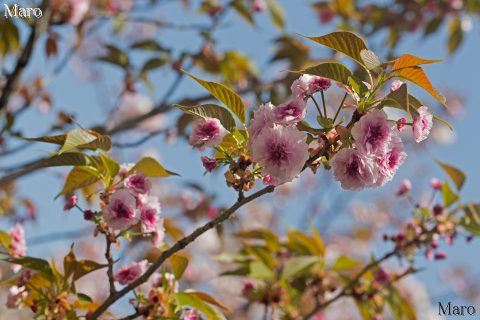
[(180, 245), (14, 77)]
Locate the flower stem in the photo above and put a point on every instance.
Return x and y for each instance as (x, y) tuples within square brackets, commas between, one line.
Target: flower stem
[(316, 105), (340, 107), (324, 106)]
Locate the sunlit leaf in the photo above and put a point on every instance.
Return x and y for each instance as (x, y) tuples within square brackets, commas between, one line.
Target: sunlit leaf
[(187, 299), (151, 168), (66, 159), (226, 95), (271, 240), (297, 265), (417, 76), (243, 11), (370, 59), (36, 264), (211, 111), (457, 175), (448, 195), (455, 36), (258, 270), (179, 264), (409, 60), (78, 178), (116, 57), (471, 220), (331, 70), (277, 13), (318, 240), (207, 298), (5, 240), (152, 64), (345, 42), (345, 263)]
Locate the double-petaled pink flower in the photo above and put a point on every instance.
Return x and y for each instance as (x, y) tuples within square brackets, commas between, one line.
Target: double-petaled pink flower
[(207, 132), (121, 211), (149, 213), (290, 112), (129, 273), (422, 124), (281, 152), (138, 182), (262, 118), (372, 133), (389, 162), (308, 85), (18, 244), (209, 163), (354, 169)]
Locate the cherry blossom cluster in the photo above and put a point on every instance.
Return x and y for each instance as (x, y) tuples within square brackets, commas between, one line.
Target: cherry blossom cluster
[(75, 11), (379, 151)]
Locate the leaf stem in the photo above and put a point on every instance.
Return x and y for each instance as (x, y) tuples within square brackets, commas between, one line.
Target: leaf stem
[(324, 106), (340, 107), (316, 105)]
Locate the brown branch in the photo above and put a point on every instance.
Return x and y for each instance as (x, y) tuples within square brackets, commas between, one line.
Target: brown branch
[(352, 283), (108, 256), (13, 78), (182, 243)]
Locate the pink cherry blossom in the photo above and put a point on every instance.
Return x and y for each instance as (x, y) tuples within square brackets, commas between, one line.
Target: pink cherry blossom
[(138, 182), (422, 124), (190, 315), (259, 6), (207, 132), (124, 169), (121, 211), (396, 85), (18, 244), (404, 188), (436, 184), (390, 161), (149, 218), (119, 6), (308, 85), (158, 236), (129, 273), (70, 202), (15, 296), (79, 9), (290, 112), (209, 164), (372, 133), (262, 118), (281, 152), (353, 169)]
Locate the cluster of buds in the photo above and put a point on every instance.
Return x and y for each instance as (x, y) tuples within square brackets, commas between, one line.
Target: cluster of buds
[(239, 176)]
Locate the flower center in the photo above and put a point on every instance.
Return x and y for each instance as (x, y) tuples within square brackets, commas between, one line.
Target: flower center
[(122, 210), (278, 153)]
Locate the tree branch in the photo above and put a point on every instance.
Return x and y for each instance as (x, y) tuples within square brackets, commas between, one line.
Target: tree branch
[(182, 243), (14, 77)]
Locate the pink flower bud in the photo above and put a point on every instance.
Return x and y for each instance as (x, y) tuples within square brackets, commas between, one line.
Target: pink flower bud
[(381, 276), (437, 210), (440, 256), (88, 215), (401, 124), (404, 188), (209, 164), (396, 85), (212, 212), (259, 6), (436, 184), (70, 202), (248, 288)]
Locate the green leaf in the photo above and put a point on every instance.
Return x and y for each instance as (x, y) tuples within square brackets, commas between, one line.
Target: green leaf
[(84, 267), (148, 45), (211, 111), (179, 264), (77, 138), (457, 175), (297, 265), (277, 13), (455, 36), (471, 220), (271, 240), (401, 307), (345, 42), (207, 298), (262, 255), (78, 178), (243, 11), (66, 159), (331, 70), (116, 57), (111, 166), (226, 95), (184, 299), (84, 298), (345, 263), (36, 264), (302, 243), (5, 240), (152, 168), (448, 195), (153, 64), (370, 59), (401, 97), (318, 240), (258, 270)]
